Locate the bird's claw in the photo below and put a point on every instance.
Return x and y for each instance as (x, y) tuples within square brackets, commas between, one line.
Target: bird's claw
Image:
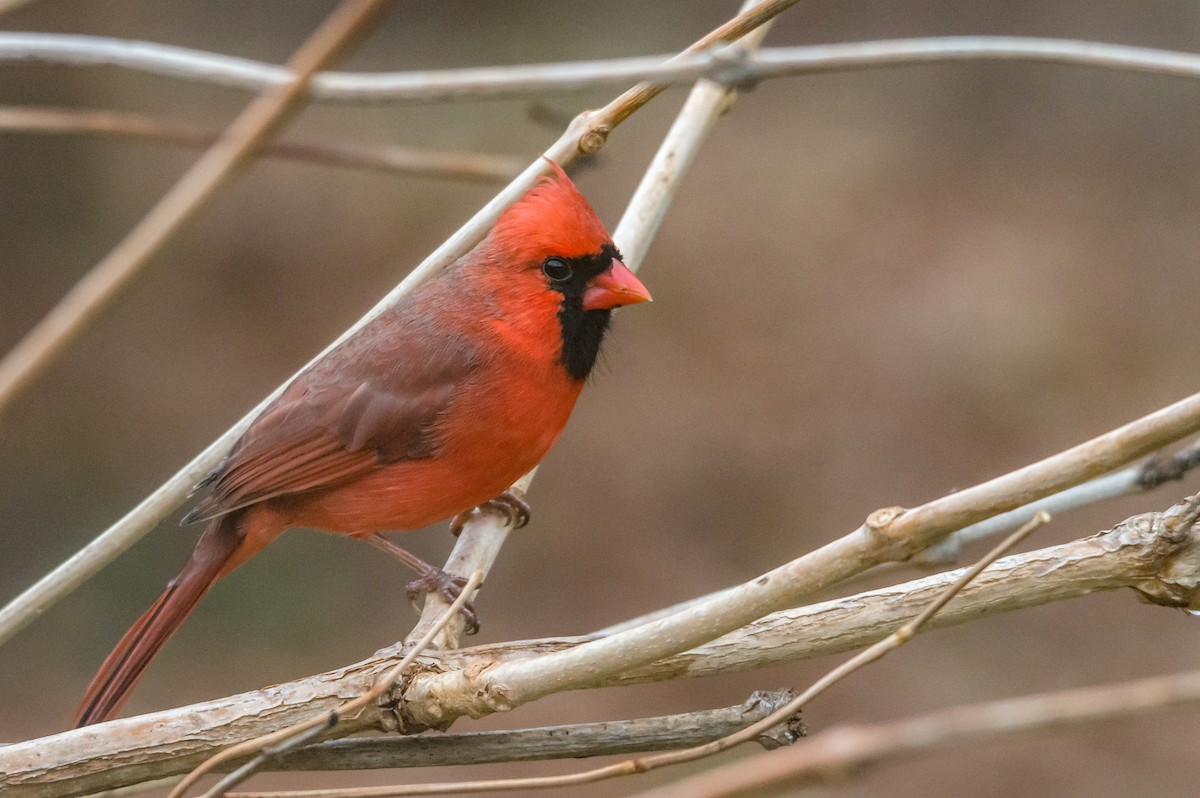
[(448, 588), (516, 512)]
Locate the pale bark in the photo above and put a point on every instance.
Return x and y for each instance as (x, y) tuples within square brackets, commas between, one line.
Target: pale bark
[(830, 756), (1151, 553), (519, 80)]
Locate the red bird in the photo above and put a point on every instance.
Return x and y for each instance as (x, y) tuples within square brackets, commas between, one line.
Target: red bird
[(433, 408)]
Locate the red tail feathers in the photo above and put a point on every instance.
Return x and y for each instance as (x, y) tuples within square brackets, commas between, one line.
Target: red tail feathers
[(124, 666)]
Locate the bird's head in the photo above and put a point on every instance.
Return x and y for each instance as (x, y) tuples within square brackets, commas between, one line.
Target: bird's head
[(555, 241), (554, 231)]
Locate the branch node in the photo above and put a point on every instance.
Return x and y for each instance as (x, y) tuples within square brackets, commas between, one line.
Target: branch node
[(594, 138), (392, 717), (1161, 468), (730, 68), (1174, 550), (893, 544), (788, 730), (882, 518)]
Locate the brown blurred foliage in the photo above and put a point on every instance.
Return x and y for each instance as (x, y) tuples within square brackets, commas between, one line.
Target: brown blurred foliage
[(875, 288)]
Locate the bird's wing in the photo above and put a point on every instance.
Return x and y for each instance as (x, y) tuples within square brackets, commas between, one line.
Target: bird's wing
[(363, 406)]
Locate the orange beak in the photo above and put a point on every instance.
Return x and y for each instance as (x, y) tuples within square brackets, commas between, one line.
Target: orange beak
[(615, 287)]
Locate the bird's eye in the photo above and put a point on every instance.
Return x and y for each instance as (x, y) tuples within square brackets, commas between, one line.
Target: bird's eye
[(557, 270)]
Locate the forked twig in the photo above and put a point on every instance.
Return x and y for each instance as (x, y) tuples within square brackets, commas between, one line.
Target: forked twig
[(480, 543), (1153, 472), (106, 279), (283, 740), (587, 133), (653, 762)]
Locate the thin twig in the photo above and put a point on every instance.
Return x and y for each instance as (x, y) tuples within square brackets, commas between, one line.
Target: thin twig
[(284, 740), (103, 283), (653, 762), (1139, 478), (539, 79), (586, 134), (427, 85), (673, 159), (831, 755), (550, 742), (402, 160)]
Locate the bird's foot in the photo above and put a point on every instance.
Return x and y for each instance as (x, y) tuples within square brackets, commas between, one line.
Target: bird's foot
[(430, 579), (449, 588), (515, 510)]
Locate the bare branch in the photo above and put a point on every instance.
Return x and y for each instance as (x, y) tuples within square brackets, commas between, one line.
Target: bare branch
[(526, 79), (831, 755), (1140, 478), (647, 763), (888, 535), (1154, 553), (551, 742), (1130, 555), (587, 133), (101, 285), (280, 742), (402, 160)]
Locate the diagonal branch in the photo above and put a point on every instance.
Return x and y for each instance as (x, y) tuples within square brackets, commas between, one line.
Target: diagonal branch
[(479, 544), (1155, 553), (889, 534), (1151, 473), (107, 278), (645, 764), (1140, 478), (587, 133)]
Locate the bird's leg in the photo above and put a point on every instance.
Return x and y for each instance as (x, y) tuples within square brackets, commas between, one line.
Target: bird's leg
[(430, 579), (514, 509)]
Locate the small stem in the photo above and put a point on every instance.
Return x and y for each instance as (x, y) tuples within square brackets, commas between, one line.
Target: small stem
[(281, 741), (101, 285)]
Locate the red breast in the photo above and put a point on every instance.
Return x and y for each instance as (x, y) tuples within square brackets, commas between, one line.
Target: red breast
[(520, 319)]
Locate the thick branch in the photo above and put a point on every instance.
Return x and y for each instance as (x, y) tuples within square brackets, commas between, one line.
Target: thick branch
[(1151, 553), (551, 742), (435, 700), (1145, 476)]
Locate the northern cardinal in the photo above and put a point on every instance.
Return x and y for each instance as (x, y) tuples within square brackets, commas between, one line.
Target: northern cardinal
[(435, 407)]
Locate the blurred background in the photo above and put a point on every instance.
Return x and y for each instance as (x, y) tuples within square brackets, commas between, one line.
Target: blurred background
[(874, 288)]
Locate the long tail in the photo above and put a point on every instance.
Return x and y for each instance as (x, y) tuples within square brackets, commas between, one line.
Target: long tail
[(215, 555)]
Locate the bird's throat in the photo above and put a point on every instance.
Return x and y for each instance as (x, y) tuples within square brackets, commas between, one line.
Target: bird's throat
[(582, 333)]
